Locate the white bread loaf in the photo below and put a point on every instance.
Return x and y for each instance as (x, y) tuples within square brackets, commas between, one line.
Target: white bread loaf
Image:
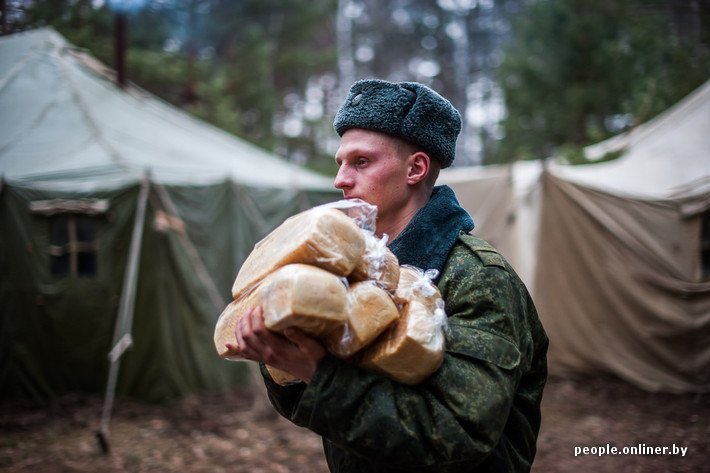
[(281, 377), (378, 264), (303, 296), (410, 350), (414, 284), (371, 310), (226, 326), (413, 348), (321, 236), (296, 295)]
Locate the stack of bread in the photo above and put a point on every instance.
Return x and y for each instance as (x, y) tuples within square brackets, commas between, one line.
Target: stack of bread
[(325, 272)]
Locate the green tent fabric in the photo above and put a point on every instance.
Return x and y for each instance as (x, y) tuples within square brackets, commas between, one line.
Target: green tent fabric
[(74, 150)]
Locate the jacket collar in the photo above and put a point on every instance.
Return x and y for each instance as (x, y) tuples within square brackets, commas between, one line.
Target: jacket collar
[(432, 232)]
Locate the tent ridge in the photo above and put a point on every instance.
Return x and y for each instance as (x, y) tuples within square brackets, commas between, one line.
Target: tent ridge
[(694, 101), (90, 120)]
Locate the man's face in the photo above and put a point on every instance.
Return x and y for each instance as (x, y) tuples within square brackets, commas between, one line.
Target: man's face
[(373, 167)]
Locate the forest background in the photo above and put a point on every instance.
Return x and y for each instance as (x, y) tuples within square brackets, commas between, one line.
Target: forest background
[(532, 78)]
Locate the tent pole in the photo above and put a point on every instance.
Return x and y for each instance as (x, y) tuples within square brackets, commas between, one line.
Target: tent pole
[(122, 331)]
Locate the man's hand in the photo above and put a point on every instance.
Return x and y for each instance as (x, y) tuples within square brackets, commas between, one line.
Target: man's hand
[(293, 352)]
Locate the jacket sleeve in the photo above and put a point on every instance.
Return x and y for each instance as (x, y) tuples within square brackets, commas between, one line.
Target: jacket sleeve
[(456, 416)]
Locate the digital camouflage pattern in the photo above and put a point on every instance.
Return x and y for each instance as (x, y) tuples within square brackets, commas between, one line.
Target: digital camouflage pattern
[(479, 412)]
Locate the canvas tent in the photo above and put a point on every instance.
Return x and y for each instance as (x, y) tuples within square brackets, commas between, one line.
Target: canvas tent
[(505, 204), (620, 276), (613, 251), (113, 202)]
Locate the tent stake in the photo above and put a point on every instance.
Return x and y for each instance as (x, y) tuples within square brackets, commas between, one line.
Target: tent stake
[(122, 331)]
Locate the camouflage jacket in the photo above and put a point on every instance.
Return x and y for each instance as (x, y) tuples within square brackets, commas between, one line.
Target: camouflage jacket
[(479, 412)]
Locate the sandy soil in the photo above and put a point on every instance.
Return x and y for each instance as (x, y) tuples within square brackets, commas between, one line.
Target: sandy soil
[(222, 433)]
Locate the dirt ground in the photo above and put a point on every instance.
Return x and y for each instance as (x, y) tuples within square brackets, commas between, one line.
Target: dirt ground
[(221, 433)]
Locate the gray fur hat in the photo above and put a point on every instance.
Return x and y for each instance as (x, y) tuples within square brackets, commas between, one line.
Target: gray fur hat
[(407, 110)]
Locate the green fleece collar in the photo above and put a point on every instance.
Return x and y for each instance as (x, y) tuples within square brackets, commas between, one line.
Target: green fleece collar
[(430, 235)]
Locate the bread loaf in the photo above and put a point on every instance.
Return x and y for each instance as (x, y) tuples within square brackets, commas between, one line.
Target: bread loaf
[(371, 310), (413, 284), (323, 237), (296, 295), (224, 331), (389, 320), (409, 351), (303, 296), (281, 377), (378, 264), (413, 348)]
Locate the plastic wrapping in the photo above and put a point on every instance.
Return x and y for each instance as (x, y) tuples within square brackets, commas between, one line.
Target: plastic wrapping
[(304, 296), (224, 331), (295, 295), (417, 284), (364, 215), (377, 264), (371, 310), (413, 348), (325, 272), (321, 236)]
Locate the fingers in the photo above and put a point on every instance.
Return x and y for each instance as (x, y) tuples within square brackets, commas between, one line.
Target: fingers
[(306, 344), (250, 332), (256, 319), (233, 349), (294, 352)]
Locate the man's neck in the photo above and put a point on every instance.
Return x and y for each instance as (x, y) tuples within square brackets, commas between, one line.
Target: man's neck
[(395, 224)]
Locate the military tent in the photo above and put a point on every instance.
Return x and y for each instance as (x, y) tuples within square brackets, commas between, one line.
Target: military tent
[(123, 222), (616, 253), (623, 273)]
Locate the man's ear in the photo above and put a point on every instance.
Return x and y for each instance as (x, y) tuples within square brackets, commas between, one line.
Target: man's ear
[(419, 166)]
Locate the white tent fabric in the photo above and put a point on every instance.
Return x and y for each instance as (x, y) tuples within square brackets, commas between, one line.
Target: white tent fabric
[(61, 120), (664, 158), (505, 204), (612, 251)]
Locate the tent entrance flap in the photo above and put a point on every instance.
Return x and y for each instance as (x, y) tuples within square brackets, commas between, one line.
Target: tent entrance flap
[(190, 250)]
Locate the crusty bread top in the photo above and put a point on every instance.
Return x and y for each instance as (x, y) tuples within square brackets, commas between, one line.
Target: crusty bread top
[(320, 236), (303, 296), (300, 295)]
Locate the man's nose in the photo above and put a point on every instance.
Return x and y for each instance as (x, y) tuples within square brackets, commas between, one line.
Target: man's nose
[(342, 179)]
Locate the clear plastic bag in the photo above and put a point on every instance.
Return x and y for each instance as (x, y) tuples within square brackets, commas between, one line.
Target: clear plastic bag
[(370, 311), (413, 348), (320, 236), (304, 296), (377, 292), (362, 213)]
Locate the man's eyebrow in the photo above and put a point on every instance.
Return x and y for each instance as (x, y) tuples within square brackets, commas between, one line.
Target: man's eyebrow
[(360, 151)]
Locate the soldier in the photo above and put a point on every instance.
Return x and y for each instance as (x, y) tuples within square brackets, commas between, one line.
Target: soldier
[(480, 411)]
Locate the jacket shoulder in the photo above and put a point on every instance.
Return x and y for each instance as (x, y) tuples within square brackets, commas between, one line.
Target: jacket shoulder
[(488, 255)]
